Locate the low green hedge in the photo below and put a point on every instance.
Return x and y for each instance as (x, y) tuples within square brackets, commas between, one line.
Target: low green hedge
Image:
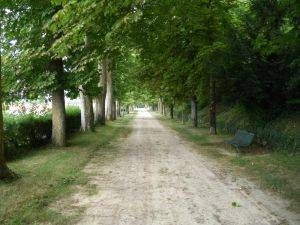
[(22, 133)]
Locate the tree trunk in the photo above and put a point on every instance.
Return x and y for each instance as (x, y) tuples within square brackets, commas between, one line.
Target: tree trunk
[(58, 106), (182, 117), (87, 114), (4, 171), (212, 111), (58, 118), (113, 110), (118, 109), (160, 106), (103, 85), (97, 111), (100, 100), (108, 99), (163, 109), (172, 111), (194, 115)]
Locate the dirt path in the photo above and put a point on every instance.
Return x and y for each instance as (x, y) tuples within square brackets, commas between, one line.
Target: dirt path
[(157, 179)]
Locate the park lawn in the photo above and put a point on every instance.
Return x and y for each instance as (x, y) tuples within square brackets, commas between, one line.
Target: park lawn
[(276, 171), (49, 174)]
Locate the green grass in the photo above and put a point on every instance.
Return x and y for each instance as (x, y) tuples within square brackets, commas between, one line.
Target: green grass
[(276, 171), (51, 173)]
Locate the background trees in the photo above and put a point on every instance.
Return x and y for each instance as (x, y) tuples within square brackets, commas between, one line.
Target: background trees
[(233, 52), (190, 55)]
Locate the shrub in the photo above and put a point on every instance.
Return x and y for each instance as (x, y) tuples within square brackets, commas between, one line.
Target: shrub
[(22, 133), (279, 134), (73, 119)]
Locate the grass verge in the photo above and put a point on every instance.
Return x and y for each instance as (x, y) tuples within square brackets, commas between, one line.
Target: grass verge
[(277, 171), (50, 174)]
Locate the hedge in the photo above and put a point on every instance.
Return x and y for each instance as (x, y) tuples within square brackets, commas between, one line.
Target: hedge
[(23, 133)]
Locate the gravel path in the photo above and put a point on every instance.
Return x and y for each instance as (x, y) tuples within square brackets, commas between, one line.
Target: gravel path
[(158, 179)]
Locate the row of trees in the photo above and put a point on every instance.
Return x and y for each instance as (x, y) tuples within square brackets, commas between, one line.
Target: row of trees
[(210, 51), (53, 48), (167, 52)]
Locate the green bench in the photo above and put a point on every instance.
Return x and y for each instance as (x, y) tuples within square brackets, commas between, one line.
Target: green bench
[(242, 138)]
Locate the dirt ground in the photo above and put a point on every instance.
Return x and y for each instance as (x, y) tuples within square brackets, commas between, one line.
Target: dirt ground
[(157, 178)]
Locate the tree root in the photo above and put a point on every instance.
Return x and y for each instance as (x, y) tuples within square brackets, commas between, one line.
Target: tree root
[(7, 174)]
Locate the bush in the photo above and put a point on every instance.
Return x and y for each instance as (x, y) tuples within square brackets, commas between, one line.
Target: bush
[(73, 119), (25, 132), (281, 134)]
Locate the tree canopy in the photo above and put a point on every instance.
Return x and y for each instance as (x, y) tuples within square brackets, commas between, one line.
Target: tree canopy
[(250, 47), (205, 51)]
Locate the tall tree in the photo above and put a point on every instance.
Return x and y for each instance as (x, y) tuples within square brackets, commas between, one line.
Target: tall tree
[(4, 171), (58, 105), (194, 111), (32, 54), (87, 114), (103, 85), (109, 94), (100, 99)]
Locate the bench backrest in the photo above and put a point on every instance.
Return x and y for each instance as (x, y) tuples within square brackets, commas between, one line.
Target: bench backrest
[(243, 138)]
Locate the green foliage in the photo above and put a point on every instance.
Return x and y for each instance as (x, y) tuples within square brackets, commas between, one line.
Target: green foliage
[(235, 204), (23, 133), (160, 49), (281, 134)]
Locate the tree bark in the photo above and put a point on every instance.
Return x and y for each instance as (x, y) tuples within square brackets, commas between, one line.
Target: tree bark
[(160, 106), (108, 99), (212, 111), (87, 114), (118, 109), (113, 111), (58, 106), (100, 100), (172, 111), (4, 171), (103, 85), (194, 114), (97, 113)]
